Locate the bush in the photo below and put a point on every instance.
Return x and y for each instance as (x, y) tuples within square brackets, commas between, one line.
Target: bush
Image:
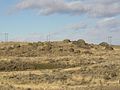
[(105, 44), (81, 43), (66, 41)]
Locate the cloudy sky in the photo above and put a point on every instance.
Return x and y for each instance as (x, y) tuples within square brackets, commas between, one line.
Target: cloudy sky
[(29, 20)]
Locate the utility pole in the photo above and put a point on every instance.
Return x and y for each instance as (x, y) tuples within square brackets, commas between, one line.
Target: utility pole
[(110, 40), (6, 36), (48, 37)]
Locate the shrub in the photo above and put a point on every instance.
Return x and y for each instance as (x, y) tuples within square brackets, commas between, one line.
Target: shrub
[(66, 41), (105, 44), (81, 43)]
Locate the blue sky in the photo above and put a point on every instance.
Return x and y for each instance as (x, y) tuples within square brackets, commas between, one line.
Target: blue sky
[(31, 20)]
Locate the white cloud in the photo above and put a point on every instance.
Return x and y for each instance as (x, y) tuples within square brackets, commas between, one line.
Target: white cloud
[(111, 24), (104, 28), (96, 8), (76, 26)]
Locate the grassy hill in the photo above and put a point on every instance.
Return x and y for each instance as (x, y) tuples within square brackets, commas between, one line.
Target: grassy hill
[(59, 65)]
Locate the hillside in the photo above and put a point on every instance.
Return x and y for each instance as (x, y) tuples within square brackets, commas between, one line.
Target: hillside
[(59, 65)]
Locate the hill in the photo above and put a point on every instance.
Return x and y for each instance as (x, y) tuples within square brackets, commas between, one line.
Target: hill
[(59, 65)]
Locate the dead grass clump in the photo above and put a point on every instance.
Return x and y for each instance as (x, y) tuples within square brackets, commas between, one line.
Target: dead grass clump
[(88, 52), (109, 75), (20, 65), (15, 65), (47, 46), (17, 46), (50, 77), (77, 51), (71, 50), (46, 66), (109, 48), (7, 86), (61, 50)]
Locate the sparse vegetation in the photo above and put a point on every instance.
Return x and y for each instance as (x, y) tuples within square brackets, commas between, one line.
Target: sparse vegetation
[(59, 65)]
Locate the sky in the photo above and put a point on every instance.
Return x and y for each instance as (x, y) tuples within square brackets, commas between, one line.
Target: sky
[(33, 20)]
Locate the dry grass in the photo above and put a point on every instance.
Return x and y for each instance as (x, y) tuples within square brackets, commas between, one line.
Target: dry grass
[(59, 66)]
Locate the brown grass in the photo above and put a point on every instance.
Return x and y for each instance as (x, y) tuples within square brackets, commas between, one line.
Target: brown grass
[(59, 66)]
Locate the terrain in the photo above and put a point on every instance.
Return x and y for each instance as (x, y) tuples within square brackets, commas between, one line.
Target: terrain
[(59, 65)]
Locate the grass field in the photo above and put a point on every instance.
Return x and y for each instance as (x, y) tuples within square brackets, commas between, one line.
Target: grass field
[(61, 65)]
